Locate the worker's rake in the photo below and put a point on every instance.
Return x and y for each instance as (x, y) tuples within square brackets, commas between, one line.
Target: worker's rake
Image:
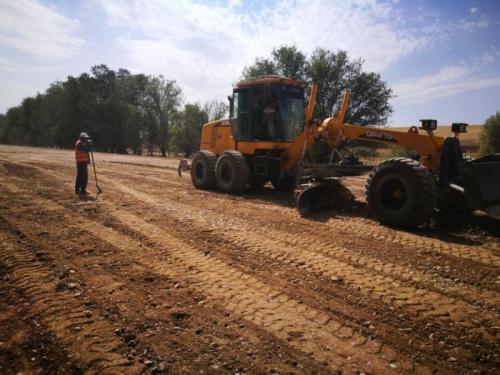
[(99, 190)]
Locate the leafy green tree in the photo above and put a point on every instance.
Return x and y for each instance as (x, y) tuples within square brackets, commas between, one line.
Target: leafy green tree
[(333, 72), (51, 119), (160, 103), (187, 128), (490, 135), (15, 131), (260, 67), (290, 62), (285, 61), (134, 132), (215, 109), (77, 111), (105, 108)]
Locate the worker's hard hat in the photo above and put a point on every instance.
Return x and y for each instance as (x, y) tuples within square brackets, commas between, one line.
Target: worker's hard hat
[(84, 135)]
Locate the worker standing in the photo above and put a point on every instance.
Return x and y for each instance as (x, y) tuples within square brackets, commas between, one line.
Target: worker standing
[(83, 147)]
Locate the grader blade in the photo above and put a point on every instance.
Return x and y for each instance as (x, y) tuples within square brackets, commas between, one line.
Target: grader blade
[(325, 195)]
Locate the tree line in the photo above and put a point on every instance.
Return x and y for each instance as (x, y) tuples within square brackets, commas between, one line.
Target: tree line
[(139, 113), (123, 112)]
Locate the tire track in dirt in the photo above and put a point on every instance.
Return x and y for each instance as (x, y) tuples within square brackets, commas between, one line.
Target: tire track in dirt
[(114, 292), (270, 244), (136, 205), (371, 224), (127, 200), (95, 347), (25, 345), (452, 266), (390, 335), (307, 329), (363, 227), (306, 229), (416, 300), (459, 290), (354, 314)]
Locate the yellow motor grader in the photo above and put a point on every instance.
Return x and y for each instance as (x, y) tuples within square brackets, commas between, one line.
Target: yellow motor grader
[(270, 128)]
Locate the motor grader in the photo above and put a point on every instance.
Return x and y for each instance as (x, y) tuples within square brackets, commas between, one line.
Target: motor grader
[(270, 128)]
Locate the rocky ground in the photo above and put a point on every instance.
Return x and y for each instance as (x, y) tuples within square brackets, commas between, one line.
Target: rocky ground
[(154, 276)]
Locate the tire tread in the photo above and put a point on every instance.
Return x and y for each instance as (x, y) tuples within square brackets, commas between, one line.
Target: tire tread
[(242, 175), (211, 160), (427, 191)]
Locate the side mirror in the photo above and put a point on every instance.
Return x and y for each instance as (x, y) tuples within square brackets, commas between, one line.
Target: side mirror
[(231, 105)]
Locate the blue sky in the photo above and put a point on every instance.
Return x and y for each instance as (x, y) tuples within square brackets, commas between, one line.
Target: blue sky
[(442, 58)]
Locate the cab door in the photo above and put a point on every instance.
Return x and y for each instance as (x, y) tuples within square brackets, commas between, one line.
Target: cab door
[(242, 122)]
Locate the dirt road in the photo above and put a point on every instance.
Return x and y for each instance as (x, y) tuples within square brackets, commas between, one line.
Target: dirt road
[(157, 277)]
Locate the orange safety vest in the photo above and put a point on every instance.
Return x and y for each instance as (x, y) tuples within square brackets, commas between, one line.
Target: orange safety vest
[(81, 156)]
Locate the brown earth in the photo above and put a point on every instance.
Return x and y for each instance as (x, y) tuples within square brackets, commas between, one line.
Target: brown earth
[(154, 276)]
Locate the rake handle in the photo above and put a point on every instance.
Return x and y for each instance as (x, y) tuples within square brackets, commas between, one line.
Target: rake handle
[(95, 172)]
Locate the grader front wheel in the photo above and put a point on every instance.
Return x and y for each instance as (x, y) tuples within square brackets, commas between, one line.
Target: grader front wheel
[(401, 192)]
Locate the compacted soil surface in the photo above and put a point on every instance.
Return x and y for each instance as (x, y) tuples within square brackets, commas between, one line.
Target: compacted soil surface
[(154, 276)]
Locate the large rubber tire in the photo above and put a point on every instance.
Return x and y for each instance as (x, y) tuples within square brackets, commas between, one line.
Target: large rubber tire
[(203, 169), (400, 192), (285, 183), (232, 172)]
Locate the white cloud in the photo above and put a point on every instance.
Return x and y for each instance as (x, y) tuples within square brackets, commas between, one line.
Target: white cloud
[(204, 47), (13, 92), (451, 80), (207, 46), (7, 65), (490, 56), (38, 30), (233, 3)]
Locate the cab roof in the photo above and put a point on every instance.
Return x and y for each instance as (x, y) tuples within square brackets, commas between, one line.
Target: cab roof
[(268, 79)]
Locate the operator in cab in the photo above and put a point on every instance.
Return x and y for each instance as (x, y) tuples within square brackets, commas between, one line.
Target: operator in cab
[(83, 147), (269, 118)]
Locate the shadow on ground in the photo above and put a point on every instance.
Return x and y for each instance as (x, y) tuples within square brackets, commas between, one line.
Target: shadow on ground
[(469, 229)]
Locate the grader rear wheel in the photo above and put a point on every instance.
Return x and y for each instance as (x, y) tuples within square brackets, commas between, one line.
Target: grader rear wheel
[(401, 192), (232, 172), (203, 170)]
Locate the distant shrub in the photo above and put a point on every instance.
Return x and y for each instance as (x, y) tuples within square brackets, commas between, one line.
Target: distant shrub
[(398, 151), (490, 135)]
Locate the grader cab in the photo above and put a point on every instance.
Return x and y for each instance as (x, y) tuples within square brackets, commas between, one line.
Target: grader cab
[(266, 116), (271, 127)]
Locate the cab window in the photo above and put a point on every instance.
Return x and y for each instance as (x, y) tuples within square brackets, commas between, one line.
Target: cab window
[(241, 122)]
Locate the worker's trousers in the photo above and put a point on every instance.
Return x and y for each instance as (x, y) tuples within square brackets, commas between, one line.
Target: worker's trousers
[(82, 177)]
